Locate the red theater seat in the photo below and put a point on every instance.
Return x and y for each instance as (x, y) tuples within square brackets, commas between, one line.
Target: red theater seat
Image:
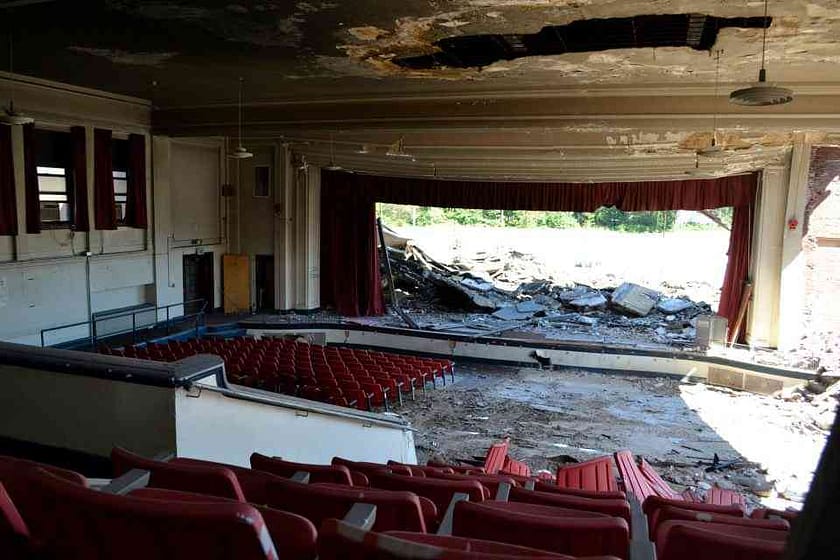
[(654, 504), (201, 479), (541, 486), (691, 540), (439, 491), (672, 513), (293, 535), (99, 526), (491, 482), (588, 534), (342, 541), (254, 483), (317, 502), (15, 542), (335, 474), (615, 508), (366, 468), (596, 475)]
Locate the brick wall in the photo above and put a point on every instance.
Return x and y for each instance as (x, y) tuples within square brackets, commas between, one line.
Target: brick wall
[(821, 248)]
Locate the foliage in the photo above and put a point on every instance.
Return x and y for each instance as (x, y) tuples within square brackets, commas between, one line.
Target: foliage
[(606, 218)]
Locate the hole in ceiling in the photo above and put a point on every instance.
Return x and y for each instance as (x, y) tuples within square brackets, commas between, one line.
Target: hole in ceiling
[(696, 31)]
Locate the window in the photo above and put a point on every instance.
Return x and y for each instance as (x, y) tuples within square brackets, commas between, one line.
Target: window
[(262, 181), (119, 154), (55, 178)]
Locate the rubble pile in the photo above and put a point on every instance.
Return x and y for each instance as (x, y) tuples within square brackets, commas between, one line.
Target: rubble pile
[(500, 295)]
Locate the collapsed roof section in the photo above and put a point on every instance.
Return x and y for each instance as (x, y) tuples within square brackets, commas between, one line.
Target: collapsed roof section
[(695, 31)]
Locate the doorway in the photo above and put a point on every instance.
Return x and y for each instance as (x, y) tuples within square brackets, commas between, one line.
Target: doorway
[(265, 282), (198, 281)]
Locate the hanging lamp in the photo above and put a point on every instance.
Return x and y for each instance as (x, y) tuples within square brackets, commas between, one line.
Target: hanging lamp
[(240, 152), (713, 148), (10, 115), (332, 166), (762, 94)]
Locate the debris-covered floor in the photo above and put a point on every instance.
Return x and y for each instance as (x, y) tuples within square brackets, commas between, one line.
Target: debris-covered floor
[(557, 416)]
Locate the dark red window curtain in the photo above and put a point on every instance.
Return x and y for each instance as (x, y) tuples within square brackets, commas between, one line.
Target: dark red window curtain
[(349, 259), (30, 171), (136, 203), (104, 206), (347, 197), (8, 197), (81, 220)]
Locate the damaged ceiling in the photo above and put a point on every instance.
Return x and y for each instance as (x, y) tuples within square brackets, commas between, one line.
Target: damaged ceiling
[(463, 81)]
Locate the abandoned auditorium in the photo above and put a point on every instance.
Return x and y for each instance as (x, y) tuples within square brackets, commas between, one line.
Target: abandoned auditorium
[(428, 279)]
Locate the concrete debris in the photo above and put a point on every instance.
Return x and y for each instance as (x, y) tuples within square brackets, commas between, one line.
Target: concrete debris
[(506, 288), (594, 300), (635, 299), (673, 305)]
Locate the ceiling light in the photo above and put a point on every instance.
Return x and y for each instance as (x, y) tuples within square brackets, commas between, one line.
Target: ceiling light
[(397, 149), (365, 149), (761, 94), (332, 166), (10, 115), (240, 152)]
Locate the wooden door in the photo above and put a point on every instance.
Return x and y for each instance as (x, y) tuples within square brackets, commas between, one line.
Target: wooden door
[(237, 283)]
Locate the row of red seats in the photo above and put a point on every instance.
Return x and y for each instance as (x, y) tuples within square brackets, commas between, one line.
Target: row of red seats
[(413, 500), (341, 376)]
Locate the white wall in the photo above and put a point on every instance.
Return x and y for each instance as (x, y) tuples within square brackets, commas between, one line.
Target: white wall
[(48, 279), (220, 428)]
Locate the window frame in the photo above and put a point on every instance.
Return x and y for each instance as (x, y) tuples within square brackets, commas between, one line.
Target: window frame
[(69, 183), (120, 198)]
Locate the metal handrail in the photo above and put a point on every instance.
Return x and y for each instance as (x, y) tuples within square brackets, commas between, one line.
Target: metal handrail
[(91, 323)]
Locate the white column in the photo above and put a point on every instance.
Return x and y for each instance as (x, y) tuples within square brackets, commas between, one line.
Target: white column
[(283, 229), (766, 263), (792, 282)]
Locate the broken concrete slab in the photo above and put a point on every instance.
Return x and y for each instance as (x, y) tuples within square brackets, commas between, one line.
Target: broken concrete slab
[(530, 307), (671, 306), (592, 300), (634, 299), (477, 284), (511, 314)]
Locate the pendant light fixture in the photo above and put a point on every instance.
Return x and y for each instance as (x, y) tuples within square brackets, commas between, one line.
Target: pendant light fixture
[(240, 152), (713, 148), (10, 115), (332, 166), (762, 94)]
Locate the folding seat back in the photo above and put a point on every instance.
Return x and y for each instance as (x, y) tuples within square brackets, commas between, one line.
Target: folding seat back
[(317, 502), (201, 479), (361, 466), (596, 475), (16, 476), (293, 534), (659, 485), (429, 470), (489, 481), (634, 481), (98, 526), (495, 458), (254, 484), (439, 491), (336, 474), (725, 497), (15, 541), (592, 535), (542, 486), (672, 513), (616, 508), (512, 466), (654, 504), (341, 541), (691, 540)]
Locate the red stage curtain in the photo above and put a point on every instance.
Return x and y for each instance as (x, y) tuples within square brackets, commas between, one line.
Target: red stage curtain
[(81, 220), (104, 207), (348, 201), (8, 197), (349, 258), (30, 171), (135, 212)]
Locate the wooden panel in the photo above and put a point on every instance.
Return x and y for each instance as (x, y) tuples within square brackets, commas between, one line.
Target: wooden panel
[(237, 283)]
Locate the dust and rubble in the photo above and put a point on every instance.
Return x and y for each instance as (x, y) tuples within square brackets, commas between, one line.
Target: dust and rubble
[(495, 293), (697, 436)]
